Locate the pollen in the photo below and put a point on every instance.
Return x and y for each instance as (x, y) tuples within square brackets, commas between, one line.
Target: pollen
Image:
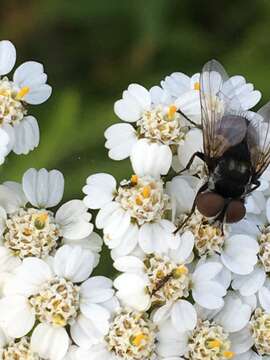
[(146, 192), (228, 354), (212, 344), (197, 85), (23, 91), (138, 201), (181, 270), (137, 340), (134, 179), (171, 112), (40, 220)]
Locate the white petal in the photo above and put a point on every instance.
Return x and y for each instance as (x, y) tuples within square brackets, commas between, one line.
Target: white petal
[(240, 254), (184, 316), (73, 263), (26, 135), (150, 158), (16, 315), (251, 283), (11, 197), (43, 188), (100, 190), (31, 74), (241, 341), (129, 264), (84, 332), (141, 95), (264, 297), (29, 277), (50, 342), (105, 213), (183, 252), (126, 243), (6, 144), (127, 110), (235, 315), (206, 271), (97, 289), (209, 294), (118, 223), (7, 56), (162, 314), (73, 219), (120, 140), (97, 314)]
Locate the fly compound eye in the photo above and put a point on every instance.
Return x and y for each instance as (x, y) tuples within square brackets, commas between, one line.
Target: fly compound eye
[(210, 204), (235, 211)]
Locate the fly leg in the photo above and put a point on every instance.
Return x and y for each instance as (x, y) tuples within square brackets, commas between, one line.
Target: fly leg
[(188, 119), (198, 154), (202, 188), (256, 183)]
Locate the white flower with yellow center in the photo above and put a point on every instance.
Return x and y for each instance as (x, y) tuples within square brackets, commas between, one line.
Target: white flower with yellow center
[(28, 87), (30, 229), (56, 296), (131, 336), (133, 214), (17, 349), (166, 282), (155, 118), (213, 336)]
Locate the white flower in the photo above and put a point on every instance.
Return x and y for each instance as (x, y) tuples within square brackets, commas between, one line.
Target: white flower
[(155, 118), (166, 282), (49, 292), (28, 86), (132, 336), (213, 335), (16, 348), (178, 84), (134, 214), (29, 228)]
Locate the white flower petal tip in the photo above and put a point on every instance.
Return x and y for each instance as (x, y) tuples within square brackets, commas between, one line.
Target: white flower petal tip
[(74, 220), (43, 188), (7, 56), (50, 342), (149, 158), (120, 140), (240, 254), (184, 316), (100, 189), (30, 75), (26, 135), (135, 100), (4, 145)]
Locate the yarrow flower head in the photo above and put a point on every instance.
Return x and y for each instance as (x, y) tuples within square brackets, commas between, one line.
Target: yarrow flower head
[(27, 87), (55, 296), (133, 214), (30, 229)]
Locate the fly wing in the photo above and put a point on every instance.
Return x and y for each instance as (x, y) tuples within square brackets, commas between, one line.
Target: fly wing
[(222, 123), (258, 139)]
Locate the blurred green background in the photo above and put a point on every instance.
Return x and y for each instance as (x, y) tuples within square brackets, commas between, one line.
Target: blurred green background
[(92, 49)]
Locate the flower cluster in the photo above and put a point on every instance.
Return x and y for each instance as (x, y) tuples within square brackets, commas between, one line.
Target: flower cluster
[(184, 289)]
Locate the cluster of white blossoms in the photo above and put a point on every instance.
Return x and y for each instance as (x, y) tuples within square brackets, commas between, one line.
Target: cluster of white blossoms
[(195, 292)]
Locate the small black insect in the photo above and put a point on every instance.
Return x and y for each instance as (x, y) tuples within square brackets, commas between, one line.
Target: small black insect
[(236, 147)]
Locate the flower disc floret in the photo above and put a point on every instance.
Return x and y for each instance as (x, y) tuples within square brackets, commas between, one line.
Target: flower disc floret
[(144, 198), (208, 235), (12, 109), (166, 126), (168, 281), (19, 350), (57, 302), (132, 336), (264, 252), (31, 232), (209, 342), (260, 329)]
